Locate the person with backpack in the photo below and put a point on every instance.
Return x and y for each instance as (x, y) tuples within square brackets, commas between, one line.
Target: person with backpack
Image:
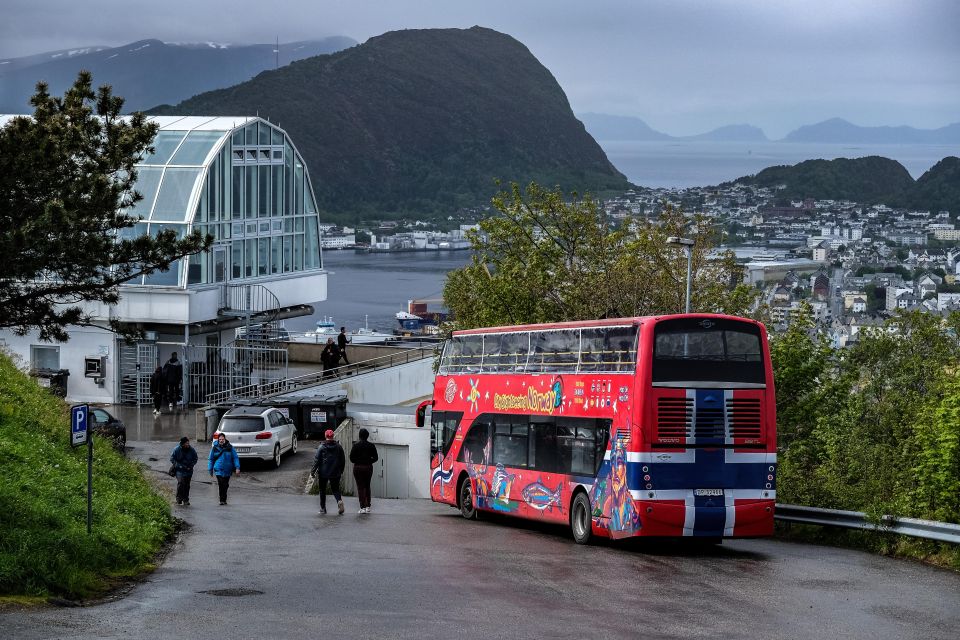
[(158, 386), (328, 465), (183, 459), (223, 463), (330, 356), (363, 454), (173, 375)]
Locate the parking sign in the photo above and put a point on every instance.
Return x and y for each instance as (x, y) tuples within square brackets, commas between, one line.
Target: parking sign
[(78, 425)]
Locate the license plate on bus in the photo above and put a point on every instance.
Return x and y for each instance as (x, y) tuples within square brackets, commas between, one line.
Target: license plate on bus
[(708, 492), (243, 449)]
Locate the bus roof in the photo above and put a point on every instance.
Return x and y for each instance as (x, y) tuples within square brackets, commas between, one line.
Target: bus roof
[(606, 322)]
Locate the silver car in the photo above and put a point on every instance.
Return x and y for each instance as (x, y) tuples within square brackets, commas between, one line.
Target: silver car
[(259, 432)]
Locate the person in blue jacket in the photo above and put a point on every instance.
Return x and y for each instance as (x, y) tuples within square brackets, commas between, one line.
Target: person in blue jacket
[(223, 463), (183, 458)]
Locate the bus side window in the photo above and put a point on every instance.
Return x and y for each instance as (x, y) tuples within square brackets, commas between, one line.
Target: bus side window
[(442, 430), (602, 439), (510, 442), (543, 444), (476, 444)]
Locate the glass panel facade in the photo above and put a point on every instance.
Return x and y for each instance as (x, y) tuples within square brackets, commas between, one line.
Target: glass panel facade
[(196, 146), (174, 194), (164, 145), (170, 278), (256, 200), (148, 181)]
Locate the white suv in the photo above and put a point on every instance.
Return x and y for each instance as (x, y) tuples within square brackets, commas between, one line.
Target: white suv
[(259, 432)]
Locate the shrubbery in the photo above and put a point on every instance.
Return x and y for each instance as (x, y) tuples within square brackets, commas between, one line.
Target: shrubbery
[(874, 427), (44, 546)]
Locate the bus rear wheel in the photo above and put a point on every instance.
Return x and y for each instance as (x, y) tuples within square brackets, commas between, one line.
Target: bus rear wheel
[(467, 508), (581, 524)]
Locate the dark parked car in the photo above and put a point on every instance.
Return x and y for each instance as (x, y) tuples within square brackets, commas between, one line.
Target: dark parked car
[(106, 426)]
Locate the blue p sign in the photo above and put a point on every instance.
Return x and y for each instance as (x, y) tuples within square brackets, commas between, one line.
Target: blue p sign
[(78, 425)]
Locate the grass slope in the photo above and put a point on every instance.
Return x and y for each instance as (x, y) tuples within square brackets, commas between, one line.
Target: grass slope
[(44, 546)]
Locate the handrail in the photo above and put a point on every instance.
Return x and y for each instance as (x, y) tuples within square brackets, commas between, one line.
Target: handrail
[(926, 529), (278, 387)]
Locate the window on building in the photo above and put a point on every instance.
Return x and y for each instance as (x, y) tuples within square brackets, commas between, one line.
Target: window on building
[(44, 357)]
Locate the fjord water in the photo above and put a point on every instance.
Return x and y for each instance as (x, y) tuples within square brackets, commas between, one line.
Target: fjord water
[(379, 285), (683, 163)]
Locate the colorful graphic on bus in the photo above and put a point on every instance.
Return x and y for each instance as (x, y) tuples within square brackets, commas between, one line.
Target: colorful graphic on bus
[(650, 426)]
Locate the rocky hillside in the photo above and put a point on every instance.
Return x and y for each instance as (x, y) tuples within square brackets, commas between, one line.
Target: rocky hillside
[(868, 180)]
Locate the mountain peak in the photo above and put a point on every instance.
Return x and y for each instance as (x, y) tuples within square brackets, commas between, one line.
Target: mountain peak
[(422, 119)]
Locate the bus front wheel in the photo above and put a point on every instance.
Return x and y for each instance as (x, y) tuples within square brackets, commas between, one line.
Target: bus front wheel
[(581, 524), (467, 508)]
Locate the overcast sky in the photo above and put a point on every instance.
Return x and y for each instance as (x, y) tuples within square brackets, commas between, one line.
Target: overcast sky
[(683, 66)]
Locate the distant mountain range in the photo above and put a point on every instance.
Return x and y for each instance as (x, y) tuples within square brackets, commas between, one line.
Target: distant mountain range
[(421, 121), (833, 131), (870, 180), (151, 72), (603, 126), (837, 130)]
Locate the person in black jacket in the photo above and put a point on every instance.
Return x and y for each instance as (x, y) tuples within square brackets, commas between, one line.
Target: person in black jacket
[(330, 356), (173, 373), (183, 458), (158, 386), (363, 454), (328, 465), (342, 341)]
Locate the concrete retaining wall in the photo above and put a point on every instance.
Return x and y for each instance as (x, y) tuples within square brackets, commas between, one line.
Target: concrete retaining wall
[(401, 384)]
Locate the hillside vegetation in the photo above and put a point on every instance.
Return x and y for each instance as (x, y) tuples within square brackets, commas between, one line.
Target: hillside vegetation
[(874, 427), (421, 121), (868, 180), (44, 546)]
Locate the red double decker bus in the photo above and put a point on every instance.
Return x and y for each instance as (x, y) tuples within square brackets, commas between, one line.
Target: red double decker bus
[(648, 426)]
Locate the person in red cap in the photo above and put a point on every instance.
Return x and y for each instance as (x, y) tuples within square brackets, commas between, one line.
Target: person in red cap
[(328, 465)]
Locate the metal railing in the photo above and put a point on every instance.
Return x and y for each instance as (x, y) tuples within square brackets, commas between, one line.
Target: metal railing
[(278, 387), (926, 529), (250, 300)]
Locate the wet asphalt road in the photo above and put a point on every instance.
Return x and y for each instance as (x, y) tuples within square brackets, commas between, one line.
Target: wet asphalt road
[(413, 569)]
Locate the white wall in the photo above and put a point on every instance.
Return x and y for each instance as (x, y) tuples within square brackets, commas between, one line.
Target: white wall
[(84, 341), (386, 427)]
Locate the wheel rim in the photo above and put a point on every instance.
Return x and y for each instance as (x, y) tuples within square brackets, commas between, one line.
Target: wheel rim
[(580, 520), (293, 446), (466, 499), (276, 455)]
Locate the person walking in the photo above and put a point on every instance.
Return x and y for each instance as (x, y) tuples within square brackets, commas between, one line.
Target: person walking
[(328, 466), (223, 463), (158, 386), (363, 454), (173, 375), (330, 356), (183, 459), (342, 345)]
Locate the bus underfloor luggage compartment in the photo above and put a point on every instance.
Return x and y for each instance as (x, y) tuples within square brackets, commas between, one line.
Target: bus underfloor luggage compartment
[(668, 518)]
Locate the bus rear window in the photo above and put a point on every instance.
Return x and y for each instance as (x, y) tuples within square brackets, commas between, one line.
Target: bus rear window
[(703, 350)]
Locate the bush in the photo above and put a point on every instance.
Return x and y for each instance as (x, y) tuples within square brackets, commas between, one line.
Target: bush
[(44, 546)]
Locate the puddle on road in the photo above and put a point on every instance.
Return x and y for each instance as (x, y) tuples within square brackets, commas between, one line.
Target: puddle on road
[(232, 593)]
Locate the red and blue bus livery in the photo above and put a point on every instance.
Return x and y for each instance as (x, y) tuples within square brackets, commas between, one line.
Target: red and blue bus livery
[(650, 426)]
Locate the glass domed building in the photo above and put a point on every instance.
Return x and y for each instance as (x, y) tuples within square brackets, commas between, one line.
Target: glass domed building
[(241, 180)]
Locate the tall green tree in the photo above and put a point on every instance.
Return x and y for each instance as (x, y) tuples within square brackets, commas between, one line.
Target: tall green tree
[(543, 257), (67, 182)]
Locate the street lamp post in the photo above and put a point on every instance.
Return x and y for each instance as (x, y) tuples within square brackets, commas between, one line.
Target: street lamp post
[(687, 245)]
